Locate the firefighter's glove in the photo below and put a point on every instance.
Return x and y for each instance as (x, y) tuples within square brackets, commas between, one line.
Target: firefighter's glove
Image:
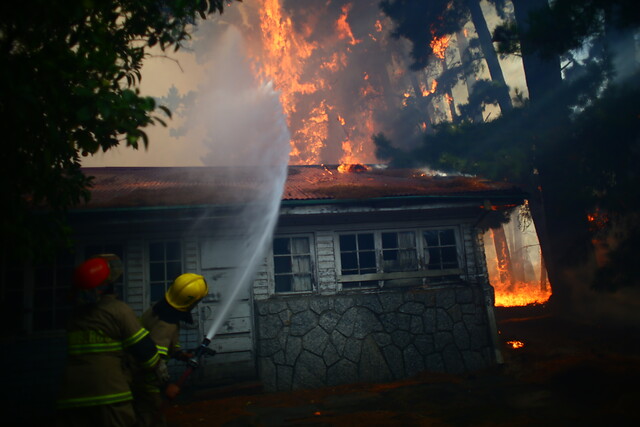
[(162, 373)]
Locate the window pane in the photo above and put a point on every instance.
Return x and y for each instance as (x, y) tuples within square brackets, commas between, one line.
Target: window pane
[(283, 283), (349, 261), (173, 251), (301, 283), (447, 237), (281, 246), (434, 259), (43, 298), (431, 237), (450, 257), (300, 245), (156, 272), (92, 250), (347, 242), (389, 240), (156, 251), (367, 260), (156, 291), (390, 255), (406, 240), (301, 264), (174, 269), (365, 241), (42, 320), (282, 264), (43, 278)]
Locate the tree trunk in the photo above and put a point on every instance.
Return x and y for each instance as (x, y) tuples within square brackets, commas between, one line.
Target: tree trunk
[(490, 55), (517, 250), (543, 76), (468, 70), (504, 257)]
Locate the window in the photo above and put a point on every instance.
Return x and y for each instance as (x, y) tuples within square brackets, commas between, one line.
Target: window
[(397, 258), (292, 263), (91, 250), (357, 257), (51, 293), (399, 251), (165, 264), (440, 249)]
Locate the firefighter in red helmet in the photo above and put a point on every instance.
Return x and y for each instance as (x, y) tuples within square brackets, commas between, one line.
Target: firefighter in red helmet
[(95, 389), (163, 322)]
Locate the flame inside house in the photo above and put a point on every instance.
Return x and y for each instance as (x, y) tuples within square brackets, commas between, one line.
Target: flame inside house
[(515, 265)]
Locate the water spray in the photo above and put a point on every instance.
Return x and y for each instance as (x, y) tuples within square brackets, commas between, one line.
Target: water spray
[(257, 103)]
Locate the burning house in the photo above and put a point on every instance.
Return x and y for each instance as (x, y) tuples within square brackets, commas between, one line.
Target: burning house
[(371, 275)]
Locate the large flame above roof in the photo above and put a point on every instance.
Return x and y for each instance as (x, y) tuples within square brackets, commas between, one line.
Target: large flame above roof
[(340, 74)]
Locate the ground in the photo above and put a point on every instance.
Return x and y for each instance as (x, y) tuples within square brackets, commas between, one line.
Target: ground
[(567, 373)]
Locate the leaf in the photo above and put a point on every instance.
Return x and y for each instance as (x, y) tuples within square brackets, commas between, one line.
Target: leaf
[(166, 110)]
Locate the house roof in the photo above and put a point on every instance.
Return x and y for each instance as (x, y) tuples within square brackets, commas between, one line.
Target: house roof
[(132, 187)]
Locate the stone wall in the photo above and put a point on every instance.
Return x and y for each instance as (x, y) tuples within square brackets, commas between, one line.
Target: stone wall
[(314, 341)]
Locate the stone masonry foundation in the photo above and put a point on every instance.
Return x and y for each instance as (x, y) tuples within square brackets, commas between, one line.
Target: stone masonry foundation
[(314, 341)]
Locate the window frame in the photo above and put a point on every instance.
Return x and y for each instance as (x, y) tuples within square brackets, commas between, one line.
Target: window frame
[(380, 276), (313, 264), (147, 267)]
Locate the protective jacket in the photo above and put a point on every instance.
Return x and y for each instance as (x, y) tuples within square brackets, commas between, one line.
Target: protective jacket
[(99, 336)]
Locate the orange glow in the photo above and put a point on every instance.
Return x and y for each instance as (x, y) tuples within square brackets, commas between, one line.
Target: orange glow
[(439, 46), (515, 344), (352, 168), (598, 219), (448, 98), (281, 64), (308, 74), (524, 281), (427, 92), (343, 27)]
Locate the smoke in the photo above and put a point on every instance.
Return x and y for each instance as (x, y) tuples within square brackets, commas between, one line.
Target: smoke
[(245, 134)]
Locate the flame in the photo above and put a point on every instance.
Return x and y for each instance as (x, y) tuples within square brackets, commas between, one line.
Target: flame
[(515, 344), (306, 64), (343, 27), (439, 46), (530, 285), (281, 64), (352, 168), (426, 92)]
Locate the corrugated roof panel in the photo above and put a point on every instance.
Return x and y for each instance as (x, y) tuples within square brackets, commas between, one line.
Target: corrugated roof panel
[(116, 187)]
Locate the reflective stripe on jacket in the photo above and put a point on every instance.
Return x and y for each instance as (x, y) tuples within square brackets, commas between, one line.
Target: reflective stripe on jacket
[(98, 337)]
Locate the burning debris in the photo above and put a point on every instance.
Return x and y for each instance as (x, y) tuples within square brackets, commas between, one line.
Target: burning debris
[(352, 168), (515, 344)]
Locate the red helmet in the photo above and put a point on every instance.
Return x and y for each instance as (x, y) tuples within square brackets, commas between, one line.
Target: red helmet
[(97, 271)]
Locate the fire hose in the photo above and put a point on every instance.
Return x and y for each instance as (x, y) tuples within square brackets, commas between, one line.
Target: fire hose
[(173, 389)]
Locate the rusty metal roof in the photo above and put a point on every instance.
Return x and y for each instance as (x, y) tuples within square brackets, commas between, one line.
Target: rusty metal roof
[(126, 187)]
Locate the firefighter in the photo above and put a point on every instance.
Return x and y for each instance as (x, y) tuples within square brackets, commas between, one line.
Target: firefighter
[(163, 322), (102, 330)]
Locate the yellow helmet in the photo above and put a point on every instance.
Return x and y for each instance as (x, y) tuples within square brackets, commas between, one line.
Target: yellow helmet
[(186, 291)]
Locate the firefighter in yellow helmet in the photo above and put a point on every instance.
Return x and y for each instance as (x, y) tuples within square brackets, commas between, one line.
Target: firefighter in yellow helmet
[(95, 387), (163, 322)]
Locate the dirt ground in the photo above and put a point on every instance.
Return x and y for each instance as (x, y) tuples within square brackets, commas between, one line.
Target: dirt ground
[(566, 374)]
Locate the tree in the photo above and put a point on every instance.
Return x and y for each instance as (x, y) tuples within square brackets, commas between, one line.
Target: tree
[(69, 77), (577, 139), (421, 22)]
